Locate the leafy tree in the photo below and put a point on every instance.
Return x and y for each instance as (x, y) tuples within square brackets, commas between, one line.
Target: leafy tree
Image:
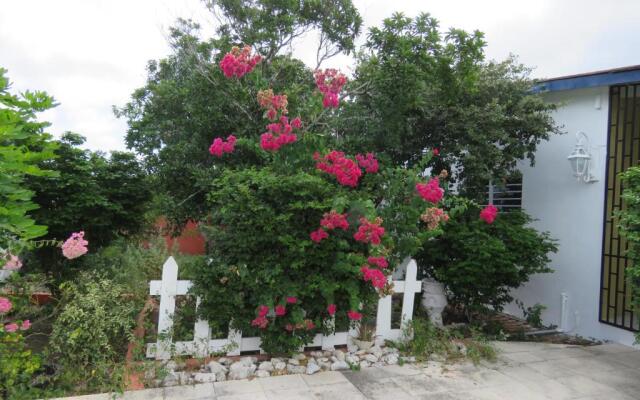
[(104, 196), (272, 25), (480, 263), (23, 145), (417, 88), (187, 102)]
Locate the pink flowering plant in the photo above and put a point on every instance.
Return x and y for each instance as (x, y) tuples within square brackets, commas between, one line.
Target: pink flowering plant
[(304, 239)]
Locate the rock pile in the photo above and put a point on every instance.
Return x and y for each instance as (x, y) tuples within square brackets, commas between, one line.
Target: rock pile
[(311, 363)]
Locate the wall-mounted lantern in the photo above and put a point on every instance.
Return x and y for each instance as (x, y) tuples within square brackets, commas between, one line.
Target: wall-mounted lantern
[(580, 159)]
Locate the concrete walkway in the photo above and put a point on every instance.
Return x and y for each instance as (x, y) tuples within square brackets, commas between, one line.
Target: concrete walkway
[(526, 371)]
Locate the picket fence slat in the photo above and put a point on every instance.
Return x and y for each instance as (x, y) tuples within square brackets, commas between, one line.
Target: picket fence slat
[(203, 345)]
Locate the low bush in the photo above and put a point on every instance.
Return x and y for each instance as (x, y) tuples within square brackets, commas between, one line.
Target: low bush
[(481, 263), (89, 338)]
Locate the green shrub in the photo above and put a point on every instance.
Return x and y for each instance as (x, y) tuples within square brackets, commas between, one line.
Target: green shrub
[(260, 226), (89, 337), (480, 264), (629, 224), (129, 262), (18, 365)]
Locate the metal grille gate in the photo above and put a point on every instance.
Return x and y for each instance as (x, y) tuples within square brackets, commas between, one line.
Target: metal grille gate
[(623, 151)]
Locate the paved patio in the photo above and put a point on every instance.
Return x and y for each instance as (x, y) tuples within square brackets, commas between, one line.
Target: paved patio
[(526, 371)]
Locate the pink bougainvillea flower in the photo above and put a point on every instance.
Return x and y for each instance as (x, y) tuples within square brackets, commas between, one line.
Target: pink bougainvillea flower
[(263, 311), (13, 263), (279, 133), (26, 324), (331, 309), (435, 152), (433, 216), (489, 214), (239, 62), (309, 325), (75, 246), (334, 220), (368, 162), (289, 327), (292, 300), (369, 232), (378, 261), (280, 310), (260, 322), (296, 123), (5, 305), (220, 147), (430, 191), (354, 315), (330, 82), (12, 327), (318, 235), (344, 169), (377, 277)]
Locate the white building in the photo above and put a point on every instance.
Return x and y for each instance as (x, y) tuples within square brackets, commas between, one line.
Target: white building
[(587, 294)]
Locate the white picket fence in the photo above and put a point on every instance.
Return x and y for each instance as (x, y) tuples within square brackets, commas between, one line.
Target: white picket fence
[(202, 344)]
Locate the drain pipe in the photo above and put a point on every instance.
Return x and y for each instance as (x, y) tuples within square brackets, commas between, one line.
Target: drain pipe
[(563, 313), (563, 328)]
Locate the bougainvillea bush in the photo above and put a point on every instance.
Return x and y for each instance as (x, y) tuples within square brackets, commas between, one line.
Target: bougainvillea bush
[(312, 235)]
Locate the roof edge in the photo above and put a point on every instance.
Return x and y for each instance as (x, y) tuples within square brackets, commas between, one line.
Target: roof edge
[(614, 76)]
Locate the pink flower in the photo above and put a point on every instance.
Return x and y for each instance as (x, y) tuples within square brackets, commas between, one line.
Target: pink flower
[(278, 134), (369, 163), (289, 327), (219, 146), (334, 220), (378, 261), (318, 235), (330, 100), (309, 324), (330, 82), (26, 324), (292, 300), (433, 216), (369, 232), (75, 246), (13, 263), (272, 114), (280, 310), (296, 123), (354, 315), (430, 191), (331, 309), (12, 327), (238, 62), (5, 305), (344, 169), (260, 322), (489, 214), (435, 152), (263, 311), (377, 277)]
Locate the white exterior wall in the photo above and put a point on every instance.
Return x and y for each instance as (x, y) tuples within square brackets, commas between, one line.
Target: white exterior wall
[(573, 213)]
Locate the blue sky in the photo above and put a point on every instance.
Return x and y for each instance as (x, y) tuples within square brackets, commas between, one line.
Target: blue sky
[(91, 54)]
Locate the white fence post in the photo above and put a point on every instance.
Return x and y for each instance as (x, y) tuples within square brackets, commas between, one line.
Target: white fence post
[(201, 336), (168, 291)]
